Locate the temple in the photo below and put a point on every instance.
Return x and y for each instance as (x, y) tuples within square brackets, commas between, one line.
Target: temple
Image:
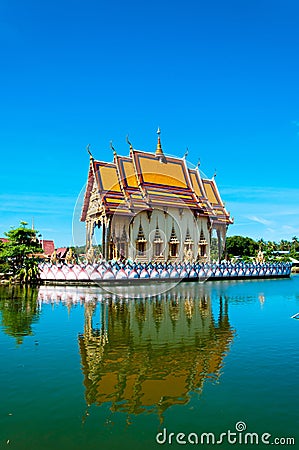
[(153, 207)]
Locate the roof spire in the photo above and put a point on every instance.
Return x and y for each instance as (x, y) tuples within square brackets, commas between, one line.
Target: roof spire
[(159, 151)]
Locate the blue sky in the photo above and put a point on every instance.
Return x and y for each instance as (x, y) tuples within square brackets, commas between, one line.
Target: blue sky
[(218, 77)]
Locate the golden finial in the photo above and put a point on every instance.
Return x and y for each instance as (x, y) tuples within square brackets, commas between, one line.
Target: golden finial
[(159, 151)]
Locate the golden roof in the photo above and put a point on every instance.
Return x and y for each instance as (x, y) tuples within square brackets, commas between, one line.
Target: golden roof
[(109, 187), (152, 172), (215, 201), (143, 181)]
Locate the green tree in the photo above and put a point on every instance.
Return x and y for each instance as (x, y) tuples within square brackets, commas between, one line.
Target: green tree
[(19, 253), (262, 244), (241, 246), (214, 249), (284, 245), (4, 267), (294, 246)]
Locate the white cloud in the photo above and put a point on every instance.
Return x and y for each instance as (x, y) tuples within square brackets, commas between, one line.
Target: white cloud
[(259, 220)]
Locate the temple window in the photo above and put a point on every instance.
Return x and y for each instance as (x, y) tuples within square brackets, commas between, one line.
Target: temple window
[(188, 247), (202, 245), (202, 250), (173, 249), (188, 243), (158, 248), (141, 242), (173, 243), (158, 243), (141, 248)]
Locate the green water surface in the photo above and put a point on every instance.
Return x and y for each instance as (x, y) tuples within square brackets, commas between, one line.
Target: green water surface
[(82, 368)]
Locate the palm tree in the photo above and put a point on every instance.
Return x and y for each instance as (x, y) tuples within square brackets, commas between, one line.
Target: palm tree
[(284, 245), (294, 246), (295, 242), (262, 244)]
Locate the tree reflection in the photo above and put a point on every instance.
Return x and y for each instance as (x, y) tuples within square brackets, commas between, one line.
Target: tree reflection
[(19, 310)]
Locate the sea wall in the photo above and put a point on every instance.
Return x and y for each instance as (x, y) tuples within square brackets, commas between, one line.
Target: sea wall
[(125, 272)]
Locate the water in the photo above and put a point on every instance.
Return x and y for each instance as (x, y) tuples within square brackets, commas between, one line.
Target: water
[(84, 369)]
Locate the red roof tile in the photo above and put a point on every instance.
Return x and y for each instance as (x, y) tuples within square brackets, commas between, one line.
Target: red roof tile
[(48, 246)]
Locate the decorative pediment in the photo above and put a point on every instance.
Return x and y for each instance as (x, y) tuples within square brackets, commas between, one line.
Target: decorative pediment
[(141, 236), (188, 239), (157, 237), (202, 239), (173, 237)]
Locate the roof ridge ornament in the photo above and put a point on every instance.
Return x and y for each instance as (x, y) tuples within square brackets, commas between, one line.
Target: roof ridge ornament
[(130, 144), (159, 152), (186, 153), (113, 149), (89, 152)]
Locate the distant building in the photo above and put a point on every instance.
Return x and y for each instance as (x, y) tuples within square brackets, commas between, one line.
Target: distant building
[(48, 246), (153, 207)]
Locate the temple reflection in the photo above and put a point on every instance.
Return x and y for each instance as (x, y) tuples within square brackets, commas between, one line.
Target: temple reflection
[(148, 354)]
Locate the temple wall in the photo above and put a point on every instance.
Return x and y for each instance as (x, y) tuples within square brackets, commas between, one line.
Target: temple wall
[(120, 235), (182, 221)]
